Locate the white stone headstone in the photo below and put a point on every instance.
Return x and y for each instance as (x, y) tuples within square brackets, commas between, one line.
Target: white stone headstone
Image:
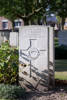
[(51, 57), (34, 56), (6, 36), (1, 37), (14, 39), (62, 35)]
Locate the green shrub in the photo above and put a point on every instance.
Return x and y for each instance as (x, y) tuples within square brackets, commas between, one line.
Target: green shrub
[(11, 92), (56, 42), (8, 64), (61, 52)]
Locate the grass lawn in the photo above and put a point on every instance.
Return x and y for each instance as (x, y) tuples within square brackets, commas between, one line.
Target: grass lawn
[(61, 69)]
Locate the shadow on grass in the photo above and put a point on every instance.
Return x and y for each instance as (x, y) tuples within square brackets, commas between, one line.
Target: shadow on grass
[(60, 65)]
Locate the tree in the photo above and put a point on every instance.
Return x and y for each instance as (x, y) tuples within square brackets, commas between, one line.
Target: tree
[(24, 9), (59, 7)]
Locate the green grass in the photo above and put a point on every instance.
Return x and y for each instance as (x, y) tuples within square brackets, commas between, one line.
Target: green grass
[(61, 69), (4, 99)]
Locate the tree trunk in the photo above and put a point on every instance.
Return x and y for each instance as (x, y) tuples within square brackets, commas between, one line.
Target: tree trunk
[(39, 21), (12, 26), (63, 22), (26, 21)]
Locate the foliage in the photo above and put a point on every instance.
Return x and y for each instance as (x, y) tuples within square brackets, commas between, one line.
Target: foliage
[(56, 42), (8, 64), (11, 92), (24, 9), (59, 19), (59, 7)]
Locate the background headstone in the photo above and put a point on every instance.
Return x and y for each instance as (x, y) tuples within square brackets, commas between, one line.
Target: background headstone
[(1, 38), (14, 39), (62, 35), (4, 36)]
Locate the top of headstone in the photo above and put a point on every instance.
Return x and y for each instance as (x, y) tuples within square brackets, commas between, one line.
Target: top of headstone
[(32, 26), (35, 31)]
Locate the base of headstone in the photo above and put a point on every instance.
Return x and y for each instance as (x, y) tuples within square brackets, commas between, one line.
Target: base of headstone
[(39, 86)]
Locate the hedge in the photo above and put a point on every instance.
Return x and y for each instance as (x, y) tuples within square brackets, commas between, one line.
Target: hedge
[(8, 64), (61, 52)]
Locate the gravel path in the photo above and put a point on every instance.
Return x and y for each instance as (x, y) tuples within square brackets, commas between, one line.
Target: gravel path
[(59, 93)]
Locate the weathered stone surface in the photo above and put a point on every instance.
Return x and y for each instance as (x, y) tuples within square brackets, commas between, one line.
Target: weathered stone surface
[(14, 39), (34, 56), (4, 36), (1, 38), (51, 56)]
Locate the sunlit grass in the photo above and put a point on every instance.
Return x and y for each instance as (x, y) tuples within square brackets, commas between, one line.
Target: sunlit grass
[(61, 69), (61, 75)]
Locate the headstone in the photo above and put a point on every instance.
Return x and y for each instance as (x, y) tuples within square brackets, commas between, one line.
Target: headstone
[(1, 37), (51, 58), (6, 36), (34, 56), (62, 35), (14, 39)]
